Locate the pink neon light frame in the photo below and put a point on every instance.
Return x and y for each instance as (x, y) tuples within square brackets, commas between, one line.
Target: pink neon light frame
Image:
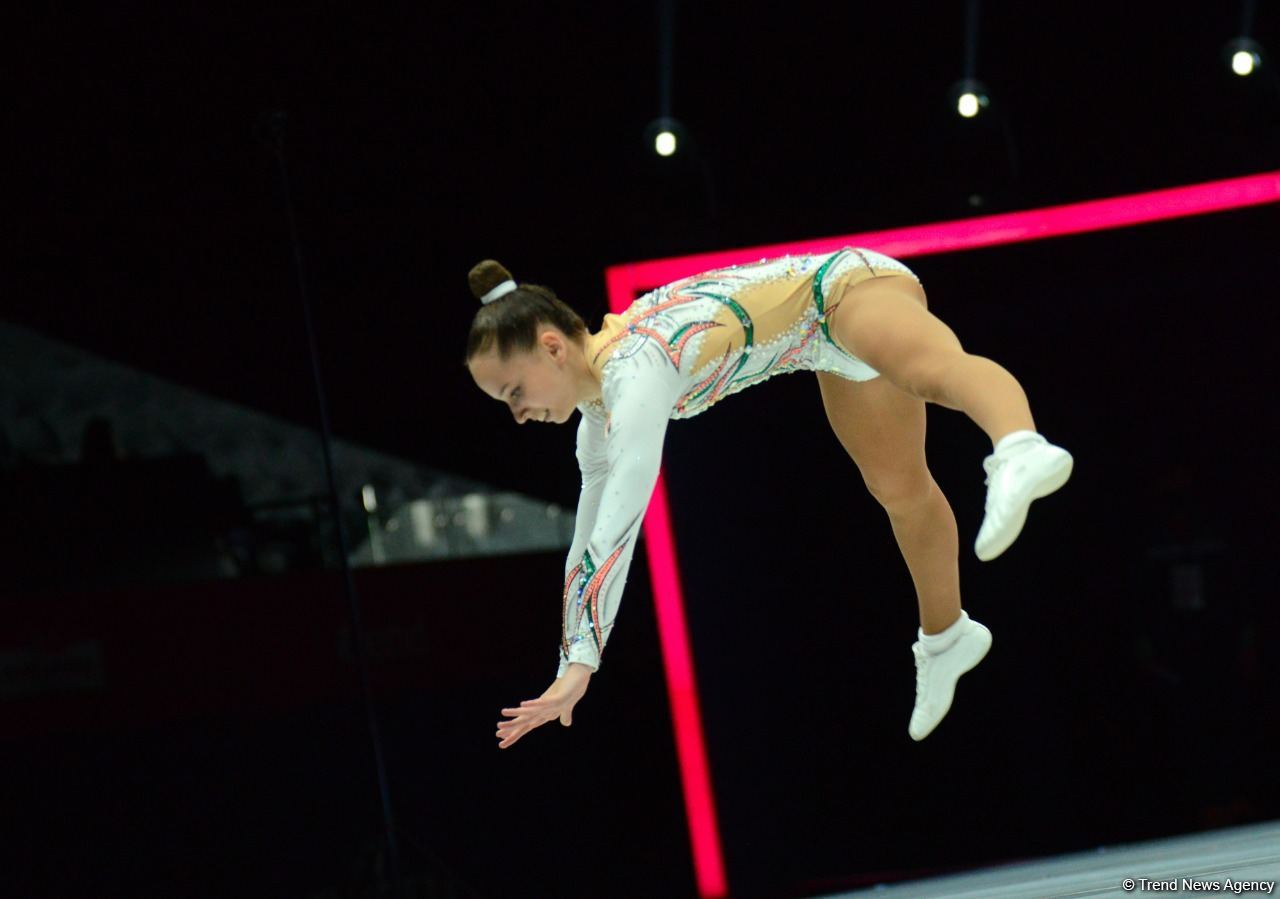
[(626, 281)]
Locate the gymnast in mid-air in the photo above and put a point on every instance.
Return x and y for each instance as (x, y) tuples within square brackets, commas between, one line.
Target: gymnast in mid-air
[(856, 317)]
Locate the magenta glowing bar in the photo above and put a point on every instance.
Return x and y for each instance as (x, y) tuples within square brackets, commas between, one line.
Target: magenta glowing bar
[(626, 281)]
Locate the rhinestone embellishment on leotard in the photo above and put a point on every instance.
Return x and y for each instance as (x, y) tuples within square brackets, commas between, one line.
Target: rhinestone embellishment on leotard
[(591, 581)]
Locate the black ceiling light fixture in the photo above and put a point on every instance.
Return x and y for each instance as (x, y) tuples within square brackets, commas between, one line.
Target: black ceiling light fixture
[(664, 135), (1243, 55), (982, 153), (675, 166), (969, 96)]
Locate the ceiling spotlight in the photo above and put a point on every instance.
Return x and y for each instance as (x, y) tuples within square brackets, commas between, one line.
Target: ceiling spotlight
[(665, 135), (969, 97), (1243, 55)]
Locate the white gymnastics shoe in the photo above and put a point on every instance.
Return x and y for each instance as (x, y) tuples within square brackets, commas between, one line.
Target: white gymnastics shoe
[(1024, 467), (936, 675)]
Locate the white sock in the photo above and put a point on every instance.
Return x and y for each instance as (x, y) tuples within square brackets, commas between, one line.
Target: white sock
[(1013, 437), (941, 641)]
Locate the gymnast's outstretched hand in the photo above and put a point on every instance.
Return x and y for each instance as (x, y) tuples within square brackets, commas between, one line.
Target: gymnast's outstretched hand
[(557, 702)]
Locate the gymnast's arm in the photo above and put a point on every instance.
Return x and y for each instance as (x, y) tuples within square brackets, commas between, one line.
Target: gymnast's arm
[(611, 507), (596, 570), (594, 465)]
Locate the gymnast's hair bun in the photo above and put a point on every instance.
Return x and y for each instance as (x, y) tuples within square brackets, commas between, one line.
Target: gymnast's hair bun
[(485, 276)]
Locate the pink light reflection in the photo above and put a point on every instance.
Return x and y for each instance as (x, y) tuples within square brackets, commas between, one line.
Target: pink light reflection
[(625, 281)]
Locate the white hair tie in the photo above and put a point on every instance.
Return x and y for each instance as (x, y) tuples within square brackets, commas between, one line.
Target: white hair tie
[(498, 292)]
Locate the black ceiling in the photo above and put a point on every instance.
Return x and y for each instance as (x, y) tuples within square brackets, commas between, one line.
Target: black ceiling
[(151, 227)]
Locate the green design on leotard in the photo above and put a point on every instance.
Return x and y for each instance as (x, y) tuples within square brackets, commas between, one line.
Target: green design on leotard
[(675, 338), (743, 315), (748, 329), (818, 299)]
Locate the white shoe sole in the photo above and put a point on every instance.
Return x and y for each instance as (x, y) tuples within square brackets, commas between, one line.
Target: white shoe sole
[(1058, 475)]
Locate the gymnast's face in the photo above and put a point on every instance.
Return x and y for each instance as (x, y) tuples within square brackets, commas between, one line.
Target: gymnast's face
[(536, 385)]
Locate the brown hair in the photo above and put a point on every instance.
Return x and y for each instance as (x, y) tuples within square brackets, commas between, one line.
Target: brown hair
[(510, 323)]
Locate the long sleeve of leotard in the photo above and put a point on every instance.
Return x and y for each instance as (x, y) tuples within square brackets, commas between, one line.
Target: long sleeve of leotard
[(594, 465), (620, 453)]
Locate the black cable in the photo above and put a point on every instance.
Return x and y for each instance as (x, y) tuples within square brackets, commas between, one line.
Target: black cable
[(666, 54), (971, 17), (274, 132), (1246, 18)]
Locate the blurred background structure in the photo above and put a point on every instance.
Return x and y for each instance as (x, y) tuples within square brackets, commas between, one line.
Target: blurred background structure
[(190, 706), (141, 460)]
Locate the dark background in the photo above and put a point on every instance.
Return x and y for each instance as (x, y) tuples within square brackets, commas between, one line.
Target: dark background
[(227, 754)]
